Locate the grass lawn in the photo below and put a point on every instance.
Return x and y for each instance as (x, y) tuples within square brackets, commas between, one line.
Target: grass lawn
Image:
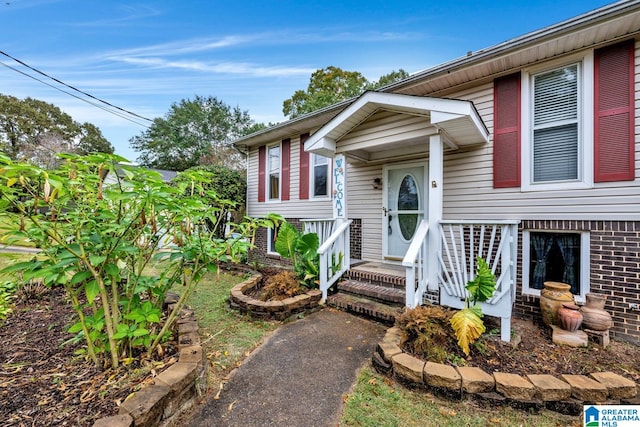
[(8, 258), (377, 401), (5, 222)]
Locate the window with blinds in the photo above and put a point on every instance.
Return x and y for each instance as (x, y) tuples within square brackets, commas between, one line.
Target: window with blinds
[(556, 124)]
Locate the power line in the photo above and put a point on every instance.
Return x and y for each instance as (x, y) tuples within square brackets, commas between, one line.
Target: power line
[(117, 113)]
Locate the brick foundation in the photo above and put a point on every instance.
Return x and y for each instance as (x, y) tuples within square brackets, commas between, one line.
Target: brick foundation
[(614, 271)]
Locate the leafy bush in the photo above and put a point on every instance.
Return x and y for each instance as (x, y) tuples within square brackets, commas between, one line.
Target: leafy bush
[(99, 223), (467, 323), (425, 332), (302, 249)]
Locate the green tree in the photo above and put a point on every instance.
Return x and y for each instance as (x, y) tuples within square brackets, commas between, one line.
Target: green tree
[(36, 131), (194, 132), (225, 192), (326, 87), (387, 79), (331, 85)]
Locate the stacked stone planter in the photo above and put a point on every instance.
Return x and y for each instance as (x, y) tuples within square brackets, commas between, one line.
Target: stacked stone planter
[(566, 393), (174, 390), (276, 310)]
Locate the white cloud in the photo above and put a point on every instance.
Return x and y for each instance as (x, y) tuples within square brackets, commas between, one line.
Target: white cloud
[(223, 67)]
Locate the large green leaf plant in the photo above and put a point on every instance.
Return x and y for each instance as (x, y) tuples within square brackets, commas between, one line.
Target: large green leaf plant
[(467, 323), (302, 250), (101, 224)]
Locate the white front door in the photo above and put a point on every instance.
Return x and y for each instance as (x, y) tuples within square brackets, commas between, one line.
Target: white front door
[(404, 207)]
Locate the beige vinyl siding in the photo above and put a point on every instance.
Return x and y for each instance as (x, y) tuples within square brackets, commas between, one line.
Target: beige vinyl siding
[(366, 203), (385, 127), (469, 192), (293, 208)]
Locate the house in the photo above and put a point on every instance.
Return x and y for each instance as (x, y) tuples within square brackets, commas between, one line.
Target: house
[(526, 153)]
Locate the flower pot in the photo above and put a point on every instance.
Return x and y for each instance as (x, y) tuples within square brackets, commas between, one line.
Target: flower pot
[(552, 297), (569, 317), (595, 317)]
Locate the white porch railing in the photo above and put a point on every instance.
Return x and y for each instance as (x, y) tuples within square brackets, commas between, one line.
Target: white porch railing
[(322, 227), (415, 264), (462, 243), (335, 255)]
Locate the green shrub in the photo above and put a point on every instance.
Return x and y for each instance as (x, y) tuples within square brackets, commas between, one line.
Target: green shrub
[(99, 223)]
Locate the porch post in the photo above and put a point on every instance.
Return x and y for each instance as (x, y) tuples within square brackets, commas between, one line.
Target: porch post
[(339, 189), (436, 163)]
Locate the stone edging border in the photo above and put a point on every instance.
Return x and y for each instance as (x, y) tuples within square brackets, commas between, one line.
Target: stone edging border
[(277, 310), (566, 394), (174, 390)]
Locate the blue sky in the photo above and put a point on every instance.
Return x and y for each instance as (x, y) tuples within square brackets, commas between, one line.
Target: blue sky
[(144, 56)]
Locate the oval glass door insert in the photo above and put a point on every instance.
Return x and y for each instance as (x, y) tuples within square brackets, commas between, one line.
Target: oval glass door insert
[(408, 200)]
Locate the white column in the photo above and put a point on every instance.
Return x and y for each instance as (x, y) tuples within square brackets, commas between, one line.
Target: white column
[(436, 166), (339, 189)]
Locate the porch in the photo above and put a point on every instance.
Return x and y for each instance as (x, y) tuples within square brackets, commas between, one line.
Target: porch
[(406, 284), (404, 139)]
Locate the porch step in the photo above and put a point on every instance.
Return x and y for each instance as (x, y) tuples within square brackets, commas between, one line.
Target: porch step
[(364, 306), (387, 275), (379, 293)]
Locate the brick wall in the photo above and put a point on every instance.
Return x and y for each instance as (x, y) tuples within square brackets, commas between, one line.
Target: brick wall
[(260, 256), (355, 236), (614, 271)]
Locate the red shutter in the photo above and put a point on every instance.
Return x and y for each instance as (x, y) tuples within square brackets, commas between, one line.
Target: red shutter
[(304, 169), (506, 131), (614, 113), (286, 169), (262, 163)]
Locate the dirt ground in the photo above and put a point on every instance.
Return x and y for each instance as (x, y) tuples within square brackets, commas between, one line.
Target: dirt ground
[(532, 352), (43, 383)]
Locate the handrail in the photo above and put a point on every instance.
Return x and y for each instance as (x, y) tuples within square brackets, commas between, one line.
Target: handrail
[(480, 221), (415, 263), (412, 253), (335, 257), (334, 236)]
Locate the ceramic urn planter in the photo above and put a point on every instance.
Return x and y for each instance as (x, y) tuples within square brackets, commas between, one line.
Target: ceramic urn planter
[(594, 315), (569, 317), (552, 297)]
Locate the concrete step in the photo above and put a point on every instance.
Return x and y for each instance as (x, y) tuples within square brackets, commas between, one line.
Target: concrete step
[(363, 306), (381, 293)]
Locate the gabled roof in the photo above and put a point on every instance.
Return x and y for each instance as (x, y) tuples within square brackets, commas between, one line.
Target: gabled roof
[(457, 120), (599, 27)]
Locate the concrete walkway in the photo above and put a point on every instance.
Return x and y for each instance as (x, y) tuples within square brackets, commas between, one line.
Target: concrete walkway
[(298, 377), (20, 249)]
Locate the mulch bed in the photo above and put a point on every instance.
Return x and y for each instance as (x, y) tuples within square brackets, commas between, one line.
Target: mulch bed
[(43, 383), (531, 351)]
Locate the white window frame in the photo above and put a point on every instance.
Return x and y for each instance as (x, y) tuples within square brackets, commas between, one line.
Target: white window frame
[(271, 250), (312, 178), (268, 198), (585, 257), (585, 63)]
